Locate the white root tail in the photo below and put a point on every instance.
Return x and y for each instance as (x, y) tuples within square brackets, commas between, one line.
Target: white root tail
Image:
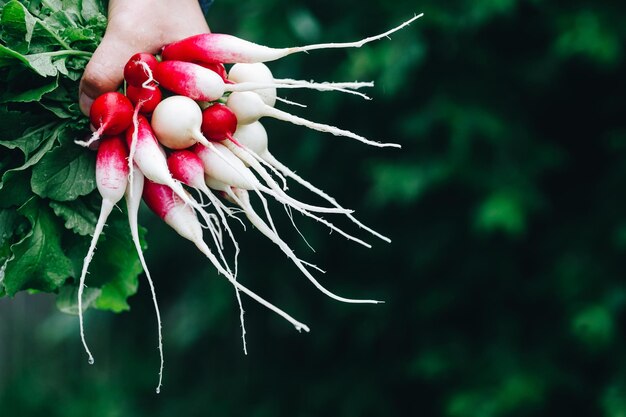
[(105, 211), (132, 203), (291, 174), (287, 117), (241, 198), (357, 44)]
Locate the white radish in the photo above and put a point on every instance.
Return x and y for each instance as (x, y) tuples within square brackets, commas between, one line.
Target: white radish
[(249, 107)]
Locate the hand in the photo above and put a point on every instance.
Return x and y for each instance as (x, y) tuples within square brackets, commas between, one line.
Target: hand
[(136, 26)]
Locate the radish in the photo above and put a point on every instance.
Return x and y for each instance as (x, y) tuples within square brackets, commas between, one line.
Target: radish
[(260, 73), (249, 107), (139, 70), (202, 84), (132, 204), (111, 181), (186, 167), (145, 98), (166, 204), (110, 114), (176, 122), (254, 137), (227, 49)]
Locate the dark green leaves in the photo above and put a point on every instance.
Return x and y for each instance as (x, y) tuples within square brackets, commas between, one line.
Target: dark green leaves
[(47, 206)]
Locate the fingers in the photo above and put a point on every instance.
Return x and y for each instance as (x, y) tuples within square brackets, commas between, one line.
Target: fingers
[(105, 70)]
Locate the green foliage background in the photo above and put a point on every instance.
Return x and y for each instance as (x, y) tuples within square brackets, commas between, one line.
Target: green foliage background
[(504, 285)]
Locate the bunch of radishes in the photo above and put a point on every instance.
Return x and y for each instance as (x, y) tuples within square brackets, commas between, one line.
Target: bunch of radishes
[(205, 136)]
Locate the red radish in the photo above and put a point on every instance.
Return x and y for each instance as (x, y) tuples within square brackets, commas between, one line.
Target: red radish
[(254, 137), (227, 49), (132, 203), (249, 107), (167, 205), (218, 123), (187, 168), (139, 70), (111, 180), (111, 114), (145, 98)]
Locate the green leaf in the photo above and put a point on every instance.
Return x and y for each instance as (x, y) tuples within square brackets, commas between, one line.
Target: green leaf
[(64, 174), (17, 25), (9, 219), (37, 261), (33, 94), (78, 218), (15, 185), (14, 125)]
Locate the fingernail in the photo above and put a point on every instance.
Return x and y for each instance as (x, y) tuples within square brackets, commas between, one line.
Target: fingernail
[(84, 101)]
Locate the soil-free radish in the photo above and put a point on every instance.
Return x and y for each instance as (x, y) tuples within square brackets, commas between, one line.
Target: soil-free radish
[(111, 114), (111, 181), (139, 70), (179, 216), (228, 49)]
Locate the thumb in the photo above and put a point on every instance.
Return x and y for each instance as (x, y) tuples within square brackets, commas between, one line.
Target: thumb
[(104, 72)]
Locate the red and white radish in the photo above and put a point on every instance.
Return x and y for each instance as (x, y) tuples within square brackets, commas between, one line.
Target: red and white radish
[(178, 215), (110, 114), (150, 158), (202, 84), (228, 49), (187, 168), (111, 181)]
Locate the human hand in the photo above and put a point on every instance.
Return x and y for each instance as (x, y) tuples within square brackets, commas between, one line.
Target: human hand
[(136, 26)]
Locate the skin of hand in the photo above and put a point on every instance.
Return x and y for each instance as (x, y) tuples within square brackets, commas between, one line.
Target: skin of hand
[(136, 26)]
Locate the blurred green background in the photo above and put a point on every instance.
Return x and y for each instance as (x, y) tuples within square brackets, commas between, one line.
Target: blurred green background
[(504, 285)]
